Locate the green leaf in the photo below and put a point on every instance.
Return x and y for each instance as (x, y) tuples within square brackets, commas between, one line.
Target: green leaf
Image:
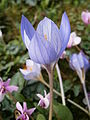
[(40, 117), (76, 90), (18, 80), (62, 112), (19, 97), (67, 84)]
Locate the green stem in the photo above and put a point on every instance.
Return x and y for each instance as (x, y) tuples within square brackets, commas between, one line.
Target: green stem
[(51, 94), (61, 84), (86, 96)]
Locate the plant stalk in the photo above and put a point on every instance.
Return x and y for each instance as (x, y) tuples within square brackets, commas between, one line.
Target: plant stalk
[(51, 93), (61, 84), (86, 96)]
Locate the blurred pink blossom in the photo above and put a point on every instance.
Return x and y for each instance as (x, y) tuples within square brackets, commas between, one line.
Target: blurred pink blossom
[(85, 17)]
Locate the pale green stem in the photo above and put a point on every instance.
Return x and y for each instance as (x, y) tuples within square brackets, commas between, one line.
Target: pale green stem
[(61, 84), (51, 94), (86, 96)]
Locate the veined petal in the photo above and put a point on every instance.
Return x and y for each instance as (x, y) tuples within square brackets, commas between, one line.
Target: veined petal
[(41, 51), (76, 41), (50, 31), (27, 30), (80, 60), (11, 88), (30, 111), (64, 32), (19, 107), (24, 106), (74, 63), (40, 96), (6, 83)]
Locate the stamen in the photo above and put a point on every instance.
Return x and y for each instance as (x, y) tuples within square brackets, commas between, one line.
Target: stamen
[(45, 36)]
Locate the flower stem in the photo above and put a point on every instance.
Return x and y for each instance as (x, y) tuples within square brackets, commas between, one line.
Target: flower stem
[(51, 93), (86, 96), (61, 84), (10, 95)]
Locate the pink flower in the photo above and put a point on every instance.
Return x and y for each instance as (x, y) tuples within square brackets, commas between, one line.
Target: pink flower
[(24, 112), (73, 40), (85, 17), (44, 101), (5, 87)]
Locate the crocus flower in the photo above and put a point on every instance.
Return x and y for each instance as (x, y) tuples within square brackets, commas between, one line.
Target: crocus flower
[(24, 112), (79, 63), (63, 55), (74, 40), (32, 70), (47, 43), (44, 101), (5, 87), (85, 17)]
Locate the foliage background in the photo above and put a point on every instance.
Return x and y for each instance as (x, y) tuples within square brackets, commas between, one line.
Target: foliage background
[(13, 54)]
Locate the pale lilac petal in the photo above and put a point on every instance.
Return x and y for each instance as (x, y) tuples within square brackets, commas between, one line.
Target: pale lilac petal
[(29, 63), (24, 106), (77, 41), (80, 60), (27, 27), (6, 83), (11, 88), (86, 17), (50, 31), (48, 96), (40, 50), (40, 96), (30, 111), (44, 103), (19, 107), (64, 32)]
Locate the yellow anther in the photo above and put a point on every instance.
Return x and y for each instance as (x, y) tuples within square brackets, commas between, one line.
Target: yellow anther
[(30, 68), (45, 36)]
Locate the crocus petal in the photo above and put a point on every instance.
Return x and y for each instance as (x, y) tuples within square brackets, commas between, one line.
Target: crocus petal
[(40, 96), (29, 63), (74, 64), (11, 88), (7, 83), (1, 96), (64, 32), (27, 30), (80, 60), (76, 41), (30, 111), (50, 31), (21, 117), (19, 107), (24, 106), (41, 51)]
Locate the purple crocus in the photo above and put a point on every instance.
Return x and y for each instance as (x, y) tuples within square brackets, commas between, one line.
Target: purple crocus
[(79, 63), (47, 43), (5, 87), (24, 112), (44, 101), (85, 17)]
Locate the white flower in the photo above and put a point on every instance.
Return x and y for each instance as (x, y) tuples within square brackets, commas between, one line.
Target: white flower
[(74, 40), (32, 70), (44, 101)]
